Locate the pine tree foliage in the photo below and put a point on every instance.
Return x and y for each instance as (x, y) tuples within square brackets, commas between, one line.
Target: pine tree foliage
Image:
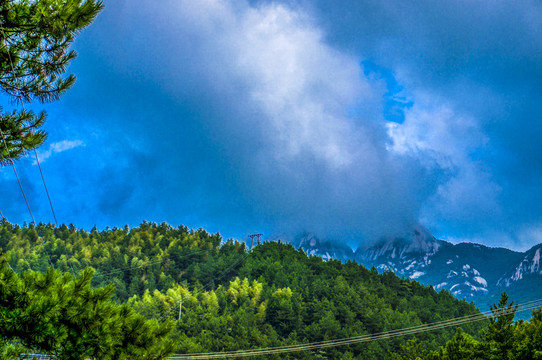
[(499, 335), (19, 134), (35, 36), (228, 298), (502, 339), (61, 315), (223, 297)]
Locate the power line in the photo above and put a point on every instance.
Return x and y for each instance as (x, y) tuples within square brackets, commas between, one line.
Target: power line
[(358, 339), (125, 269), (44, 184), (209, 284), (35, 152), (212, 281), (37, 159), (150, 263), (227, 270), (102, 274), (337, 342), (195, 252), (17, 176)]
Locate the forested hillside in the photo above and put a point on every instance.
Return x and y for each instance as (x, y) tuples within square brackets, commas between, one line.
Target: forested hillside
[(224, 297)]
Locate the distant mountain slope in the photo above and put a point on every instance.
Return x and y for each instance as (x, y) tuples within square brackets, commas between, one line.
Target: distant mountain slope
[(471, 271), (233, 299), (528, 266), (524, 279)]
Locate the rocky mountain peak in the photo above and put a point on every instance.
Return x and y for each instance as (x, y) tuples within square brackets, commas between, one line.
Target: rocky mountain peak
[(416, 241), (476, 272), (529, 265), (326, 249)]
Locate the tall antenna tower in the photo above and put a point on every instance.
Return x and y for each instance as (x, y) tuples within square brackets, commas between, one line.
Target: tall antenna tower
[(252, 236)]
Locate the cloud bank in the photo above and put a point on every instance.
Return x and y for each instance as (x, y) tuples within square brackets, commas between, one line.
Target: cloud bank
[(350, 120), (286, 133)]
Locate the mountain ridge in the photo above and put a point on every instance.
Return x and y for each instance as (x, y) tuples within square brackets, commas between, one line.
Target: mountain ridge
[(470, 271)]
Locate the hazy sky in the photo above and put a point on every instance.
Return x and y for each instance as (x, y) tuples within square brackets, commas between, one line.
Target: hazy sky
[(349, 119)]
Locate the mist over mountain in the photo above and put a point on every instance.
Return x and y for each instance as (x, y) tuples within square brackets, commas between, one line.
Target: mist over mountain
[(232, 299), (347, 119), (469, 271)]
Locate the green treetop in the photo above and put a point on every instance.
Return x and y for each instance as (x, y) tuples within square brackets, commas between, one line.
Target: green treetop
[(62, 315)]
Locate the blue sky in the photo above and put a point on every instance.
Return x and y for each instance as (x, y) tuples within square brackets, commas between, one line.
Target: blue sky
[(352, 120)]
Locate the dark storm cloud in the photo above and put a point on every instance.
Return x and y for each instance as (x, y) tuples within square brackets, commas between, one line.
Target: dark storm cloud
[(481, 61), (348, 119), (241, 119)]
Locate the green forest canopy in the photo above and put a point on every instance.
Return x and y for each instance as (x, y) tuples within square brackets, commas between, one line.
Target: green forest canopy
[(235, 299)]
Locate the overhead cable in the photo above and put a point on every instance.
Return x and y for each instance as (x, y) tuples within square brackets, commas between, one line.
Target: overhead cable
[(17, 176), (35, 152), (358, 339)]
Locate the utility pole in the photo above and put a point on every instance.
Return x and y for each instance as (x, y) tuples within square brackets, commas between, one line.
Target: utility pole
[(181, 305), (252, 237)]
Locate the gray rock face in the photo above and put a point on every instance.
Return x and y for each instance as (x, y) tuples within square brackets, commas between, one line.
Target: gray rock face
[(469, 271)]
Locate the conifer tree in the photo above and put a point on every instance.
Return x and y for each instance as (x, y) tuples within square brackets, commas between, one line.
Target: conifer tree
[(35, 36), (499, 335), (60, 315)]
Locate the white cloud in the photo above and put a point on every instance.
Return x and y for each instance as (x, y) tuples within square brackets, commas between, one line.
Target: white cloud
[(58, 147), (435, 132), (285, 98), (265, 88), (301, 84), (276, 61), (443, 139)]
